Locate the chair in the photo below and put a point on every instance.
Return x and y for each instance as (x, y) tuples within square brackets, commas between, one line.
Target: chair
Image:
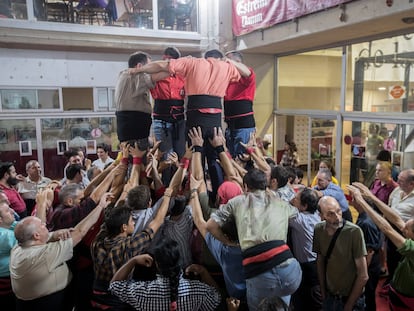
[(90, 15), (183, 16), (57, 12)]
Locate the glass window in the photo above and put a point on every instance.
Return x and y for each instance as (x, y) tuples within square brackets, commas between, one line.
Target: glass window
[(105, 99), (310, 80), (367, 142), (18, 142), (322, 145), (380, 77), (21, 99), (177, 15), (59, 134)]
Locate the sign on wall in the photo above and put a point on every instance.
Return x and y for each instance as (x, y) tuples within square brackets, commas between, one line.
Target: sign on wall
[(250, 15)]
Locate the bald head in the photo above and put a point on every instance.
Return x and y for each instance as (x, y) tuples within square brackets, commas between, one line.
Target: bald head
[(330, 212), (31, 231)]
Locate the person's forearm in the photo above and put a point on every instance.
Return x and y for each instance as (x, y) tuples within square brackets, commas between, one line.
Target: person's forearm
[(124, 271), (161, 213), (83, 227), (229, 169), (389, 213), (196, 167), (177, 179), (157, 180), (198, 218), (242, 68), (357, 290), (216, 231), (382, 223), (97, 182), (154, 67), (320, 263)]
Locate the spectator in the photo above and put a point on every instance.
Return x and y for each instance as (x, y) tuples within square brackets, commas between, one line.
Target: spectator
[(325, 187), (8, 182), (308, 295), (38, 271), (326, 164), (102, 150), (290, 156), (342, 273), (401, 289), (184, 295), (279, 183), (373, 242), (31, 184), (7, 242)]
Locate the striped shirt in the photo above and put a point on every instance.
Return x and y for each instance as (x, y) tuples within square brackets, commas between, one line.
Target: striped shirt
[(155, 295)]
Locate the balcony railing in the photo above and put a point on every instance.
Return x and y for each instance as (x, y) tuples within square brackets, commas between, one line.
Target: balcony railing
[(147, 14)]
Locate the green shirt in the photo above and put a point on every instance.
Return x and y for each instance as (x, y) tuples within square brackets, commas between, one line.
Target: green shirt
[(403, 279), (341, 271)]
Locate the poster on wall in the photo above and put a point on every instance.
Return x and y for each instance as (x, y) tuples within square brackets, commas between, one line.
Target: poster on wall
[(61, 146), (25, 148), (91, 147)]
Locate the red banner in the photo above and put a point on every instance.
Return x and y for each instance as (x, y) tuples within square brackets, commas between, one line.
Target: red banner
[(250, 15)]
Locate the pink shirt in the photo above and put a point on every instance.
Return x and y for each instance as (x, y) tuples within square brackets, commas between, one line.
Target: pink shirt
[(16, 201), (209, 76)]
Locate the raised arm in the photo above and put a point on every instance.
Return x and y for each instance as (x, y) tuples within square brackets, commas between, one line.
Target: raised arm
[(388, 212), (124, 272), (198, 218), (156, 223), (396, 238), (178, 177), (83, 227), (218, 143), (119, 174), (133, 180)]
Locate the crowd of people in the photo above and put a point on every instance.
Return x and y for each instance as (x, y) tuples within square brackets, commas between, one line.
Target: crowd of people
[(195, 218)]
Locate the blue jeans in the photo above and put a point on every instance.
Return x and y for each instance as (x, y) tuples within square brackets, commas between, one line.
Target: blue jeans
[(332, 303), (281, 281), (172, 137), (235, 136)]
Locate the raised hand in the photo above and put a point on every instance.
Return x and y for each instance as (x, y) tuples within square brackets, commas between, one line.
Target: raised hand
[(218, 138), (196, 136)]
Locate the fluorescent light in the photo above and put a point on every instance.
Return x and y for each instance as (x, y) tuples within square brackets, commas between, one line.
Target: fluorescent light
[(382, 88)]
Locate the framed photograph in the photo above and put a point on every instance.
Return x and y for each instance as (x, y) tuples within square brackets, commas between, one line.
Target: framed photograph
[(397, 158), (91, 147), (19, 99), (52, 124), (25, 148), (3, 136), (83, 131), (22, 134), (324, 150), (61, 146), (358, 151)]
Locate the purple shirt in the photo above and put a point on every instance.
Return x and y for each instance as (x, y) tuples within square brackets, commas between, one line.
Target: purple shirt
[(383, 192)]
